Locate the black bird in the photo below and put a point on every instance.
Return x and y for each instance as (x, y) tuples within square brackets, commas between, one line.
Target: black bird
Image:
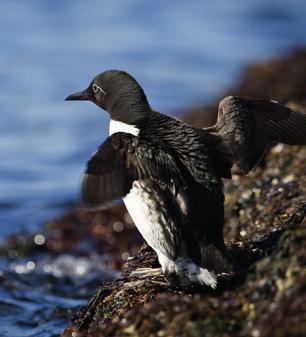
[(169, 173)]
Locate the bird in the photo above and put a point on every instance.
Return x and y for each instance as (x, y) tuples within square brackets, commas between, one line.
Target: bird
[(170, 174)]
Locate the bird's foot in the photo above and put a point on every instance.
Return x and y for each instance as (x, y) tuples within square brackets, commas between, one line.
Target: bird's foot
[(146, 272), (138, 284)]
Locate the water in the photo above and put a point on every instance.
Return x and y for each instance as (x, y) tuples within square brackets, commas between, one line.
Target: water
[(182, 53), (38, 295)]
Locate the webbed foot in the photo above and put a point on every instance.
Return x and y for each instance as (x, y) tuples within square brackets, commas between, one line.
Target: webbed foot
[(146, 272)]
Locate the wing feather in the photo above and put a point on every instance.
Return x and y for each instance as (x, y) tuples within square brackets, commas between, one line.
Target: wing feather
[(120, 160), (248, 126)]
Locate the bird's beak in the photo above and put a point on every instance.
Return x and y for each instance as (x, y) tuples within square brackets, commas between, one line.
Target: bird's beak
[(84, 95)]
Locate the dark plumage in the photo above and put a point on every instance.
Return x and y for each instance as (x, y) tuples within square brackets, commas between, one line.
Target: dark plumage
[(169, 173)]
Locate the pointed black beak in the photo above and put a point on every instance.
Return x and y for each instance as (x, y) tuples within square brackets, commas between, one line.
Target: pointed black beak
[(84, 95)]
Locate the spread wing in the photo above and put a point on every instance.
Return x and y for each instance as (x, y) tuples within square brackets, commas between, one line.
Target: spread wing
[(122, 159), (247, 126)]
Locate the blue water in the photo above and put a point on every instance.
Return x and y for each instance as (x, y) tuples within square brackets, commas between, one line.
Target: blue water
[(183, 53)]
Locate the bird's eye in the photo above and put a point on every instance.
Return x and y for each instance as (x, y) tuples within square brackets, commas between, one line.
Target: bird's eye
[(95, 88)]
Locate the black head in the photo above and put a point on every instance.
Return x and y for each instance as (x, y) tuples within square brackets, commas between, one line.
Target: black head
[(118, 93)]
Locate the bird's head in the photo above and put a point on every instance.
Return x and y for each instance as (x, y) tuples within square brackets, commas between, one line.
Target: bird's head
[(118, 93)]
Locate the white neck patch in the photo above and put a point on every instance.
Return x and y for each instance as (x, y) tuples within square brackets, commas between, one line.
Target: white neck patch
[(116, 126)]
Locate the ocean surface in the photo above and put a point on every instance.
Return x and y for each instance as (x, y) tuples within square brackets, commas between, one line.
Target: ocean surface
[(182, 53)]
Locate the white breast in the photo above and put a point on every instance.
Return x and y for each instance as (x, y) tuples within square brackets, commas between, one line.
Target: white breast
[(116, 126), (138, 203)]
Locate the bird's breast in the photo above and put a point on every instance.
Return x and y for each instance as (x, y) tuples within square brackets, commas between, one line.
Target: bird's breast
[(142, 209), (143, 204)]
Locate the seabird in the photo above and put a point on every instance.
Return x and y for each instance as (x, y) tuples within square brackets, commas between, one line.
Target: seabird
[(169, 173)]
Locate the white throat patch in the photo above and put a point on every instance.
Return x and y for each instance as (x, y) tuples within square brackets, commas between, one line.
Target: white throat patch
[(115, 126)]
